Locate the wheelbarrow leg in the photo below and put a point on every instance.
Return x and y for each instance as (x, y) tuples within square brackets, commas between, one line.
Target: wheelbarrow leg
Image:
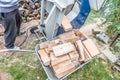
[(47, 79), (65, 79), (62, 79)]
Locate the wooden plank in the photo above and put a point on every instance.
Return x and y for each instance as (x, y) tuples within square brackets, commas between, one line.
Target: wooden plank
[(44, 57), (63, 49), (74, 55), (67, 34), (60, 65), (86, 52), (57, 60), (80, 49), (50, 45), (44, 45), (76, 63), (72, 39), (69, 37), (57, 41), (75, 58), (53, 43), (47, 51), (87, 55), (66, 24), (91, 48), (53, 57), (64, 70)]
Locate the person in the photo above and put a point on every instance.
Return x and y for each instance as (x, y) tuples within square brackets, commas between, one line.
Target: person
[(11, 20)]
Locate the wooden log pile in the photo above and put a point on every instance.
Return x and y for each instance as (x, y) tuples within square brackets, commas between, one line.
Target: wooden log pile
[(29, 9), (67, 52)]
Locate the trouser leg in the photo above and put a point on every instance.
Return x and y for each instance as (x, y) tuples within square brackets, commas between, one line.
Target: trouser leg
[(9, 23), (18, 21)]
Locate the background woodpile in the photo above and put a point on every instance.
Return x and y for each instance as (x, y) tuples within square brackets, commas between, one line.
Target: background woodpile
[(29, 9)]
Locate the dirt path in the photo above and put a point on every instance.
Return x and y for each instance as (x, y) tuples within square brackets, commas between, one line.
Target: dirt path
[(5, 76)]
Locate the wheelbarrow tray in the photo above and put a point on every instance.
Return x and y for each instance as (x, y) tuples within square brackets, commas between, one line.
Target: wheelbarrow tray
[(49, 71)]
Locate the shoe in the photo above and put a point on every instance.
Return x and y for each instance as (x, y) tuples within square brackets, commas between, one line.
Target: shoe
[(16, 48)]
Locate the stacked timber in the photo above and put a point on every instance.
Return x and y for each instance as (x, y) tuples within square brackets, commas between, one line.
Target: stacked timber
[(67, 52), (29, 9)]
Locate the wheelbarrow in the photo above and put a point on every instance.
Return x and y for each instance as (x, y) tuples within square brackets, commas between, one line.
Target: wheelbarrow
[(49, 71)]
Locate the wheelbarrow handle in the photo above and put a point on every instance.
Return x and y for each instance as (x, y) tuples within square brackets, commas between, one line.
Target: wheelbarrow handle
[(16, 50)]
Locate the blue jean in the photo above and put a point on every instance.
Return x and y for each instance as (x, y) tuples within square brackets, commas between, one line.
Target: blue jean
[(11, 22)]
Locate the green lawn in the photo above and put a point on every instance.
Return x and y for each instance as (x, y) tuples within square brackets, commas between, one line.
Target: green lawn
[(27, 67), (95, 70)]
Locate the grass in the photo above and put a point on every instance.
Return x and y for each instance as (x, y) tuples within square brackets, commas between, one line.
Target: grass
[(22, 72), (93, 14), (27, 67), (95, 70)]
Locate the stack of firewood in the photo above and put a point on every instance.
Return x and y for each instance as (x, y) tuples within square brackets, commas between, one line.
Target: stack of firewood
[(29, 9), (67, 52)]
